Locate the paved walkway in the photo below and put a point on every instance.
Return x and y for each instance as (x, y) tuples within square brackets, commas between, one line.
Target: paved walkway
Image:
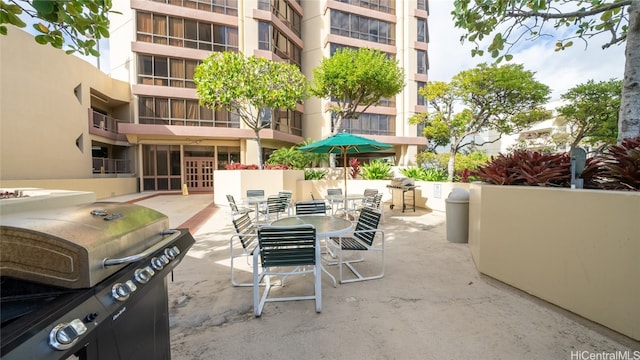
[(431, 304)]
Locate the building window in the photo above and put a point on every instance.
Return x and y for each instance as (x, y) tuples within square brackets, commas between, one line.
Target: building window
[(423, 5), (165, 71), (423, 31), (379, 5), (161, 167), (284, 12), (162, 29), (187, 112), (271, 39), (288, 121), (369, 124), (421, 100), (360, 27), (423, 62), (228, 155), (227, 7)]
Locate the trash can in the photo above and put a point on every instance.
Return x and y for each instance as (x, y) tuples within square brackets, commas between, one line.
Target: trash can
[(457, 213)]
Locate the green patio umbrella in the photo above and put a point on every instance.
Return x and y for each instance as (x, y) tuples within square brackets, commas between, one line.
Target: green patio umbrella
[(345, 143)]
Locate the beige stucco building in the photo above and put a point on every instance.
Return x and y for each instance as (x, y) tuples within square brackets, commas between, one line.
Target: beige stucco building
[(139, 127)]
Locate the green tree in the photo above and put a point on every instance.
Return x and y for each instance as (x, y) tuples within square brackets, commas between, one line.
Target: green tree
[(518, 20), (592, 112), (295, 158), (251, 87), (78, 24), (502, 98), (354, 80)]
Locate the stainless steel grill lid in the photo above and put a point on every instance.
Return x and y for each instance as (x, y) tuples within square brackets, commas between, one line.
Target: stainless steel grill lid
[(68, 246)]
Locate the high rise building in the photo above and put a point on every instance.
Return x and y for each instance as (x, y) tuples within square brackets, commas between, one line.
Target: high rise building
[(155, 46)]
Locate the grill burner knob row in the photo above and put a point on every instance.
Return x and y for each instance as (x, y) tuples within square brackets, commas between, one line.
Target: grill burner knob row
[(64, 335), (121, 292), (143, 275)]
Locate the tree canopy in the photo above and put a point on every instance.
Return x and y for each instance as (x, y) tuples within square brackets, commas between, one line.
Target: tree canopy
[(78, 24), (354, 80), (253, 88), (591, 112), (504, 98), (512, 21)]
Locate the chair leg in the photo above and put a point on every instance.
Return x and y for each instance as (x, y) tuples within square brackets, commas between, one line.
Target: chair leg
[(360, 277)]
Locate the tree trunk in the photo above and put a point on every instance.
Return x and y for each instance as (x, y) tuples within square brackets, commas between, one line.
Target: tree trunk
[(629, 116), (259, 144), (451, 164)]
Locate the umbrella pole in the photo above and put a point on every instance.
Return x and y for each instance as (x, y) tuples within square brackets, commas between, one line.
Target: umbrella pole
[(344, 160)]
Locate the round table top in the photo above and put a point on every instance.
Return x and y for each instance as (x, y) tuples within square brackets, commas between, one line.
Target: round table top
[(325, 225), (342, 197)]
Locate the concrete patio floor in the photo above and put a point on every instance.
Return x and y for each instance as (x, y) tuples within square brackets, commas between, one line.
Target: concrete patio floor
[(431, 304)]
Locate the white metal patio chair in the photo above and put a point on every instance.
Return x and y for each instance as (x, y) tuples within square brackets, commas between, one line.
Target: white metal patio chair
[(366, 238), (247, 235), (235, 209), (285, 251)]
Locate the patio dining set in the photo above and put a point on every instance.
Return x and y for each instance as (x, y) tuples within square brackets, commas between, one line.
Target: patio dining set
[(281, 239)]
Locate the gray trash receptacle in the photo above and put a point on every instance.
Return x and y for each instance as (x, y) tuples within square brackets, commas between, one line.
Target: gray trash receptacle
[(457, 213)]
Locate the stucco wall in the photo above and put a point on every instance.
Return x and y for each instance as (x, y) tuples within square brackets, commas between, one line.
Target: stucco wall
[(577, 249), (43, 109), (104, 188)]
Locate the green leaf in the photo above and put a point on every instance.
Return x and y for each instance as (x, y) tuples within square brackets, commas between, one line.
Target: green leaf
[(41, 39), (41, 28), (43, 6)]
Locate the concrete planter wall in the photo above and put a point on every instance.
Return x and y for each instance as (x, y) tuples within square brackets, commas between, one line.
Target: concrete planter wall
[(237, 182), (577, 249), (431, 195)]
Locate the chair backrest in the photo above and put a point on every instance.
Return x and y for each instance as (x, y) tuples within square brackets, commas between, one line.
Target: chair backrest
[(246, 230), (286, 195), (334, 191), (275, 204), (251, 193), (370, 192), (368, 220), (232, 203), (311, 207), (287, 245), (374, 201)]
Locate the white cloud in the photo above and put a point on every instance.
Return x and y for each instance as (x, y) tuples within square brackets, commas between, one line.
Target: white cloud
[(558, 70)]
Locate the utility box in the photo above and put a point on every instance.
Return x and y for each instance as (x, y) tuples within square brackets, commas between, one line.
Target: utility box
[(457, 214)]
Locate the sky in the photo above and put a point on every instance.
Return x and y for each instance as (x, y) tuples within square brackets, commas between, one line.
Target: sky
[(558, 70)]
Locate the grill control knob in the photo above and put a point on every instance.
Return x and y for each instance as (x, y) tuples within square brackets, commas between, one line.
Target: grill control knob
[(64, 335), (121, 292), (171, 253), (157, 263), (143, 275)]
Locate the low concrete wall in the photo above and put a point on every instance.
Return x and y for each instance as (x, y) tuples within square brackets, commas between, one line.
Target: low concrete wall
[(577, 249), (104, 188), (237, 182)]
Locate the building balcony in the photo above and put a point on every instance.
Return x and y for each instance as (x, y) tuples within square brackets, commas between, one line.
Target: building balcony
[(111, 166), (105, 126)]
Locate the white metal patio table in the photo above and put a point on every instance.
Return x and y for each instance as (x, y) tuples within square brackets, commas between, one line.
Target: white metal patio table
[(326, 226), (257, 201)]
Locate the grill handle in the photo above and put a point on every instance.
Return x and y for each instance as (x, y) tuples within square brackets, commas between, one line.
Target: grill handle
[(133, 258)]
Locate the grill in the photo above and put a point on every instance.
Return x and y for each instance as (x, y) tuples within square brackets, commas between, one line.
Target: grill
[(406, 188), (87, 282)]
